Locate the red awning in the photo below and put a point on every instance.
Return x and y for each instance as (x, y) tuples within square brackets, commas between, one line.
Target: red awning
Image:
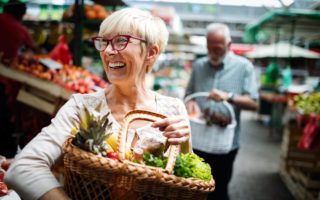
[(240, 49)]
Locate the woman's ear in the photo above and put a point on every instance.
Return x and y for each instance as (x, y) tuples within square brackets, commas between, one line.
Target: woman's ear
[(152, 54)]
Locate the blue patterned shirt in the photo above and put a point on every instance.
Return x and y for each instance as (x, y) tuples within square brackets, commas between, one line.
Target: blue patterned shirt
[(236, 75)]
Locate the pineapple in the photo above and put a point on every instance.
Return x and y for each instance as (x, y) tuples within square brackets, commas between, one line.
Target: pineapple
[(93, 132)]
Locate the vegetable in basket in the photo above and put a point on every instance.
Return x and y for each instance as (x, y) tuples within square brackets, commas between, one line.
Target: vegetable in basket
[(187, 165), (191, 165)]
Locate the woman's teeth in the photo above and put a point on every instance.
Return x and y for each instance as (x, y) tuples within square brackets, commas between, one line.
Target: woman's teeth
[(116, 65)]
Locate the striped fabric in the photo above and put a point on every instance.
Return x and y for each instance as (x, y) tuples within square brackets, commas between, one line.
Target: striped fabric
[(236, 76)]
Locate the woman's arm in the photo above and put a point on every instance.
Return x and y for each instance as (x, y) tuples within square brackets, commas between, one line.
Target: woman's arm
[(30, 173), (54, 194)]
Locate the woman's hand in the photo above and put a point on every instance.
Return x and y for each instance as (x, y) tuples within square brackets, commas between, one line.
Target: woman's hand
[(176, 129)]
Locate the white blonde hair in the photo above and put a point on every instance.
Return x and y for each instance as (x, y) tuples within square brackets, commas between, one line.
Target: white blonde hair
[(138, 22)]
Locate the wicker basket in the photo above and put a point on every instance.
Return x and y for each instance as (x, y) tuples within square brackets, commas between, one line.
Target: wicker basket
[(88, 176), (212, 138)]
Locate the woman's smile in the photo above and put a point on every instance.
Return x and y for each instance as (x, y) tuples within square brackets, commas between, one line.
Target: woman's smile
[(116, 65)]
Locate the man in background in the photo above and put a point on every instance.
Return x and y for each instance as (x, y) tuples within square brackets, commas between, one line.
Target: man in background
[(228, 77), (13, 35)]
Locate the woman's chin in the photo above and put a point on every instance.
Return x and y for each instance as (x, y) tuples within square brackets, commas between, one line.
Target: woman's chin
[(117, 79)]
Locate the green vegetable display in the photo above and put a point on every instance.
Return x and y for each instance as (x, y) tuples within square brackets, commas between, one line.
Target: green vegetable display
[(187, 165), (308, 103)]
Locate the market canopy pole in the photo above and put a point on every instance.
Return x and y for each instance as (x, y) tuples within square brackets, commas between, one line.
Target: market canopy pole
[(78, 30), (293, 23)]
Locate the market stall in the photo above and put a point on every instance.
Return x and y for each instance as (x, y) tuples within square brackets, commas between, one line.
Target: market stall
[(300, 149), (36, 92), (284, 25)]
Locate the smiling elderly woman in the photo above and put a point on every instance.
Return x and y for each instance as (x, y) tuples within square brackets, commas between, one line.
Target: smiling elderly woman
[(129, 43)]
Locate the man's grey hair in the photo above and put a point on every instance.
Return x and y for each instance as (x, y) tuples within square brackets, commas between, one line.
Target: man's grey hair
[(220, 28)]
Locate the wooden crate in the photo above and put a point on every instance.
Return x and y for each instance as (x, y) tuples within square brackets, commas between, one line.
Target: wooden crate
[(35, 101), (298, 190), (35, 82), (43, 95), (293, 156), (307, 179)]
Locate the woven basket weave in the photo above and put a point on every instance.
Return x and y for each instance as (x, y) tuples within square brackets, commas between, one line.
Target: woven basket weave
[(88, 176)]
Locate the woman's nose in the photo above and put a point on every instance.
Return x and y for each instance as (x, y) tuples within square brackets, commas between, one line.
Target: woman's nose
[(109, 49)]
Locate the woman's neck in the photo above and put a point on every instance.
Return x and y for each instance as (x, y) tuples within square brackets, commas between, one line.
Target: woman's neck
[(130, 98)]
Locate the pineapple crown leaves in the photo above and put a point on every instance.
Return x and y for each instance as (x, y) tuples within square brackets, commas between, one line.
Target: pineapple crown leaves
[(86, 117), (95, 127)]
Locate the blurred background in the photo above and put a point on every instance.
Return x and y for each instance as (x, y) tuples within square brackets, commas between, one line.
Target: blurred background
[(280, 37)]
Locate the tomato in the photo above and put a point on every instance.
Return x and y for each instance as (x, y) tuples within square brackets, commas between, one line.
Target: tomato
[(113, 155), (2, 175), (5, 164), (3, 189)]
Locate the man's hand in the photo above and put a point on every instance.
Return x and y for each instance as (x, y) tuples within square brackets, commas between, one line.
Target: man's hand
[(218, 95), (241, 101), (193, 109)]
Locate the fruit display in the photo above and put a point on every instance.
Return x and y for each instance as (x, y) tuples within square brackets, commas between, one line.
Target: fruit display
[(95, 11), (308, 108), (311, 134), (307, 103), (70, 77), (39, 36)]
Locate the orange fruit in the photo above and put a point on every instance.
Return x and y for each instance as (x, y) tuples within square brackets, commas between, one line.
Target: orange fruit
[(87, 7), (97, 8), (90, 14), (66, 14), (102, 15)]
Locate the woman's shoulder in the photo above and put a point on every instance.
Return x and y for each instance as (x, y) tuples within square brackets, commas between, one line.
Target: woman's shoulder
[(90, 100), (162, 97)]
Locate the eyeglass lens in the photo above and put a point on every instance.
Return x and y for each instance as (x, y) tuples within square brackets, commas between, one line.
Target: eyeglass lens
[(118, 43)]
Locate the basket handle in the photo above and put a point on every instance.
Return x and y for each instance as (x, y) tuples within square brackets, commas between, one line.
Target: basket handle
[(225, 103), (149, 116)]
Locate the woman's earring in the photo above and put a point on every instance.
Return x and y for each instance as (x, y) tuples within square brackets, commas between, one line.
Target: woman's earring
[(148, 62)]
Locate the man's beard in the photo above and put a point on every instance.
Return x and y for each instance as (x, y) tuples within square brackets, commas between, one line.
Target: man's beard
[(218, 61)]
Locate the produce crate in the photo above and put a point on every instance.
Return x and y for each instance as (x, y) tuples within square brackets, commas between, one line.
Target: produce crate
[(296, 187), (35, 100), (307, 179), (293, 156), (43, 95), (49, 87)]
